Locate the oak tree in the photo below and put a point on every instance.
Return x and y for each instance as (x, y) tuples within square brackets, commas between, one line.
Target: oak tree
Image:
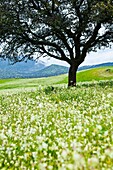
[(62, 29)]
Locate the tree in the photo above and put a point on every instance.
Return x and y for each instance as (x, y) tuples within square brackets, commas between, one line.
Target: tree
[(62, 29)]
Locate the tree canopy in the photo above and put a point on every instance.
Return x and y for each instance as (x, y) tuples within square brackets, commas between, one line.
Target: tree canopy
[(62, 29)]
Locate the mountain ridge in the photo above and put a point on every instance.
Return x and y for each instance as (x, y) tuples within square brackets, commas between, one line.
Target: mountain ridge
[(32, 69), (95, 66)]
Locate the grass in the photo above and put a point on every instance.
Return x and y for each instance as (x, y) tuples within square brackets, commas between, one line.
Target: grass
[(104, 73), (30, 83), (46, 128), (58, 129)]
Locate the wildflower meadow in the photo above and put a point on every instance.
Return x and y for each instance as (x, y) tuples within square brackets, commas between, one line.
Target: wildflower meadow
[(57, 128)]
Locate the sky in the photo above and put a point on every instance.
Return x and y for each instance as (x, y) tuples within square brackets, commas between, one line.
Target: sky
[(101, 56)]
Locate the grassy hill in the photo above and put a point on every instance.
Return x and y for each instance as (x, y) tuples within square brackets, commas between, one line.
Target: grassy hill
[(104, 73), (33, 69)]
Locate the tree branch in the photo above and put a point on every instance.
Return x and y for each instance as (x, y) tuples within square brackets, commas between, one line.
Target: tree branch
[(104, 38), (54, 56), (35, 5), (91, 39), (51, 44), (62, 37)]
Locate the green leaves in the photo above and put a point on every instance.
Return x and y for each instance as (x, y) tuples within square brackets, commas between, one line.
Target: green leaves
[(23, 23)]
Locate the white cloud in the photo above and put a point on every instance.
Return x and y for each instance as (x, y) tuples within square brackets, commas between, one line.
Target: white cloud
[(101, 56)]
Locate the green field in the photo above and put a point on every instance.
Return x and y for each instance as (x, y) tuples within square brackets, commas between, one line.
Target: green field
[(104, 73), (42, 128)]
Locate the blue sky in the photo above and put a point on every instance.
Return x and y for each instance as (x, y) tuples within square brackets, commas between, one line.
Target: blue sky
[(101, 56)]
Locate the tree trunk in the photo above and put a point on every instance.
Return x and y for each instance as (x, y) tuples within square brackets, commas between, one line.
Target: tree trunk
[(72, 75)]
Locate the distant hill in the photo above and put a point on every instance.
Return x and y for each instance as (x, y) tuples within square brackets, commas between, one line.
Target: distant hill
[(91, 75), (95, 66), (52, 70), (19, 70), (32, 69)]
